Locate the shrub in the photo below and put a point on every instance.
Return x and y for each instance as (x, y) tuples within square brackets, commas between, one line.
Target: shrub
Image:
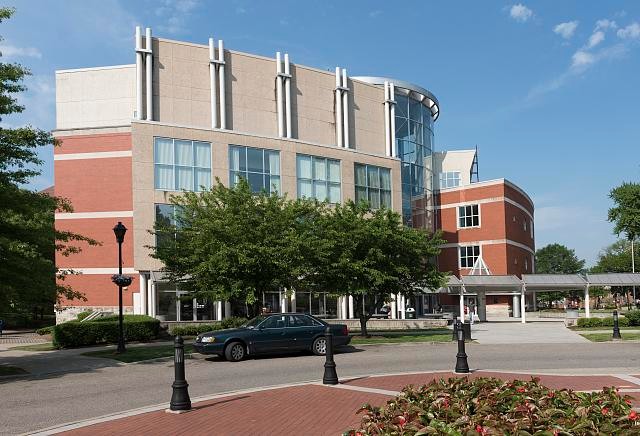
[(76, 334), (602, 322), (45, 330), (634, 317), (460, 406), (196, 329), (83, 315)]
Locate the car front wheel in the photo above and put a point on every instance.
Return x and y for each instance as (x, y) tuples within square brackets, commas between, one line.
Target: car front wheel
[(319, 346), (234, 352)]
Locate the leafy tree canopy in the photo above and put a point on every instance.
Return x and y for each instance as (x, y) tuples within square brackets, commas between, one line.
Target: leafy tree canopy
[(626, 212), (558, 259)]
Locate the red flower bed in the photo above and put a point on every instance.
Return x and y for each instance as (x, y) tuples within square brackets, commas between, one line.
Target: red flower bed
[(489, 406)]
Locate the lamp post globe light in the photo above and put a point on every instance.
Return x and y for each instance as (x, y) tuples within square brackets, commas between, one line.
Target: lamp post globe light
[(121, 280)]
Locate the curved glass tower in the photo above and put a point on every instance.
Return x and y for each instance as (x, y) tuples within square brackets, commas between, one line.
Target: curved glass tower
[(416, 109)]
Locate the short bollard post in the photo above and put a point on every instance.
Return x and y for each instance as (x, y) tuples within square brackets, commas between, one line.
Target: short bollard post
[(330, 376), (616, 327), (462, 366), (180, 400)]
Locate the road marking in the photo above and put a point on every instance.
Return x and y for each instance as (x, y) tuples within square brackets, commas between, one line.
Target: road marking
[(629, 378), (365, 389)]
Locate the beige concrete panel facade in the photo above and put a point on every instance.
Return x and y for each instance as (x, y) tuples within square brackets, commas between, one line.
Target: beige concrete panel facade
[(145, 196), (95, 97)]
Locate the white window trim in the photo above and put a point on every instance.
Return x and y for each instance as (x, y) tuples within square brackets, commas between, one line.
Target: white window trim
[(469, 227), (367, 186), (460, 267), (328, 182)]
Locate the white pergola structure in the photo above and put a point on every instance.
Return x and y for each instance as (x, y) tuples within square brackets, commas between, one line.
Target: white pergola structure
[(533, 283)]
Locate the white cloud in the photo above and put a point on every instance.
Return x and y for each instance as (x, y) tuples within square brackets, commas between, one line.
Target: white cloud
[(12, 51), (566, 30), (606, 24), (520, 13), (632, 31), (596, 38), (177, 12), (375, 13), (582, 59)]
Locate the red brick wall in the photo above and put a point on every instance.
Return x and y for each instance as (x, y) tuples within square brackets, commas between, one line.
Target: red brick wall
[(96, 185)]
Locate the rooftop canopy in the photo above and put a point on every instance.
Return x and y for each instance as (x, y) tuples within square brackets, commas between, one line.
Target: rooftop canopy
[(546, 282), (614, 279)]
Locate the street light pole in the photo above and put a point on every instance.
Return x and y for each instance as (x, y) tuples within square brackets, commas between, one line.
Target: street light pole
[(633, 268), (119, 230)]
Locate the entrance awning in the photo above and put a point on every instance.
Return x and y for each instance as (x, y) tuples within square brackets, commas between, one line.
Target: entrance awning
[(614, 279), (491, 283), (553, 282)]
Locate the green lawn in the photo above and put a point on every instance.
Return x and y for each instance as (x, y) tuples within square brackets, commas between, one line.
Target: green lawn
[(605, 337), (586, 329), (11, 370), (137, 354), (380, 338), (48, 346)]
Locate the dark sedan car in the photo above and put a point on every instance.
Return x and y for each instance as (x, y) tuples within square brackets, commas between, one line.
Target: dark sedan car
[(271, 333)]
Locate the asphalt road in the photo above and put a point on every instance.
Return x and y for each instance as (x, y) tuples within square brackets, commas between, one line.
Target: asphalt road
[(30, 404)]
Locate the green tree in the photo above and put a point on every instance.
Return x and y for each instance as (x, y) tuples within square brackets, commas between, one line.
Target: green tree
[(369, 255), (556, 259), (616, 258), (232, 244), (626, 213), (28, 240)]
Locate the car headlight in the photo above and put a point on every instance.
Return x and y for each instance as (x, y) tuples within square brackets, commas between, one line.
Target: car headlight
[(208, 339)]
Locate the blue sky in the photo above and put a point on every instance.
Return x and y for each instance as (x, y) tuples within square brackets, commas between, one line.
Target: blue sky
[(547, 90)]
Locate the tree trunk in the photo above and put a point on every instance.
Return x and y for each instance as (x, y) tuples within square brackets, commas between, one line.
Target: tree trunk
[(363, 325)]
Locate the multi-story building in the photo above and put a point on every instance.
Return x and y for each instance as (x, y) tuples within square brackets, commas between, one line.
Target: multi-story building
[(185, 114)]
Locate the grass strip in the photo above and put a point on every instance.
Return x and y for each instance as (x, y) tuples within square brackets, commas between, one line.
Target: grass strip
[(47, 346), (606, 337), (138, 354), (11, 370)]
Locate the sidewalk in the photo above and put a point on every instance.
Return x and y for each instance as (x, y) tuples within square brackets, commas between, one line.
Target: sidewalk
[(308, 408)]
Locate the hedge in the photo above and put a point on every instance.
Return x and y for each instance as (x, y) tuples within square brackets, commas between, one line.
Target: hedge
[(488, 406), (45, 330), (105, 330), (634, 317), (83, 315), (602, 322), (196, 329)]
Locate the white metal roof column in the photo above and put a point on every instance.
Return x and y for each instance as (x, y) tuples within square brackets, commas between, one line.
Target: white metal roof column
[(279, 98), (345, 108), (387, 119), (213, 84), (462, 291), (338, 99), (392, 96), (148, 63), (287, 94), (587, 310), (139, 51), (143, 293), (523, 303), (221, 80)]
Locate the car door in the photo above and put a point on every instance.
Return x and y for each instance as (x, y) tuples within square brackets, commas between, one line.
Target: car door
[(270, 334), (300, 331)]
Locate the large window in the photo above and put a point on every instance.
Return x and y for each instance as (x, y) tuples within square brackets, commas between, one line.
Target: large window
[(449, 179), (165, 215), (469, 216), (181, 165), (373, 184), (318, 178), (259, 167), (468, 255)]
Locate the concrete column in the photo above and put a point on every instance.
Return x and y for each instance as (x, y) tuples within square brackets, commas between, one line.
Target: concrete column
[(587, 309), (482, 306), (403, 307), (461, 302), (523, 306), (345, 307), (351, 312), (218, 310), (227, 309), (339, 308), (283, 302), (293, 301), (535, 301), (152, 299), (394, 306), (516, 306), (143, 294)]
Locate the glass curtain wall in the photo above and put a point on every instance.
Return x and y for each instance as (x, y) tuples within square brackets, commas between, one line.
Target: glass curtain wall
[(414, 142)]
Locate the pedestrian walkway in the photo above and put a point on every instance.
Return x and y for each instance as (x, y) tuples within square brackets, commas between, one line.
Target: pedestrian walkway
[(308, 408), (11, 338), (530, 333)]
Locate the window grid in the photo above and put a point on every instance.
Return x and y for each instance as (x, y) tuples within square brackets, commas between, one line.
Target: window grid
[(258, 166), (469, 216), (373, 185), (181, 165), (450, 179), (318, 178), (468, 255)]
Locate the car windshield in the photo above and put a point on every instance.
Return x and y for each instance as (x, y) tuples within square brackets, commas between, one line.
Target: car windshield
[(254, 322)]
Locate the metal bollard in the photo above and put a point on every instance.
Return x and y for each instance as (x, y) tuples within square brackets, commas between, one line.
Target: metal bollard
[(462, 366), (180, 397), (616, 327), (330, 376)]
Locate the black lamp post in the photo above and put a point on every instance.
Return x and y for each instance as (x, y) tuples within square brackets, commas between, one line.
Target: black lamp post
[(330, 376), (462, 366), (119, 230), (616, 327)]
